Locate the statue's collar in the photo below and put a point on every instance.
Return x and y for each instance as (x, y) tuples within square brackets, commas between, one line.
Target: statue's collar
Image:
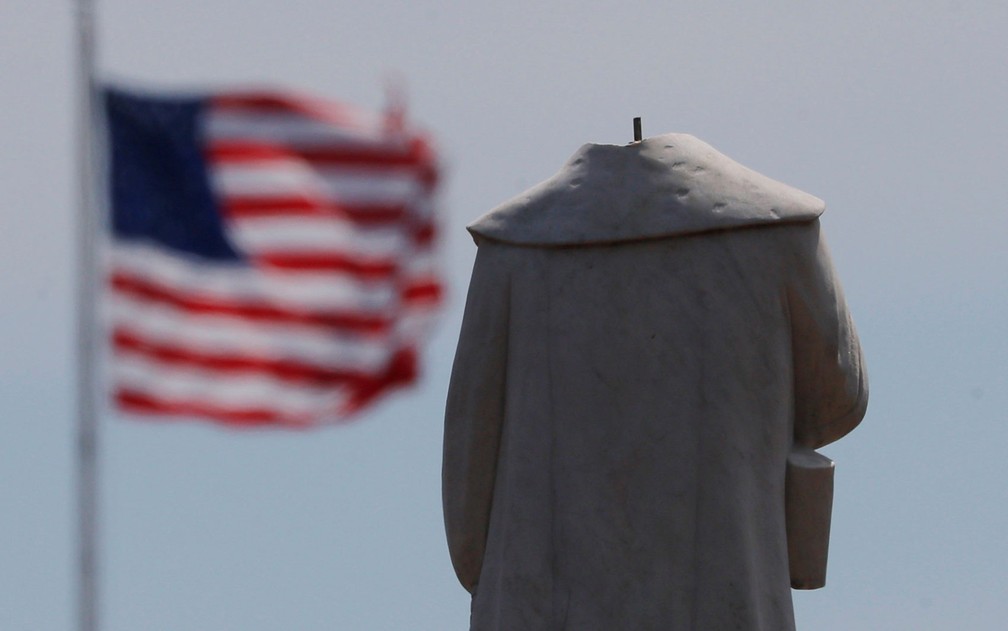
[(663, 186)]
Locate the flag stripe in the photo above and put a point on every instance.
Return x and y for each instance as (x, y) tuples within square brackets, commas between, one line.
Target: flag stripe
[(155, 293), (127, 344), (422, 263), (226, 335), (309, 261), (297, 105), (142, 403), (298, 131), (240, 283), (423, 234), (321, 234), (237, 151), (253, 389), (238, 206), (355, 186), (428, 291)]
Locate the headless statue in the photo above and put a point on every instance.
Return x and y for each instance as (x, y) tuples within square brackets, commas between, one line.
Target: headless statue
[(654, 342)]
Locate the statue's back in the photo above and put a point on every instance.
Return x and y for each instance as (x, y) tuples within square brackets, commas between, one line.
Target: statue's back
[(619, 421)]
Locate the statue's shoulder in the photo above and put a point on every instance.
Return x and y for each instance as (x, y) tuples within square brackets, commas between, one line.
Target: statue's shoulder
[(664, 186)]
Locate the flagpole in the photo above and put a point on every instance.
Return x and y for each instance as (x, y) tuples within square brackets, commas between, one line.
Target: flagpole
[(86, 400)]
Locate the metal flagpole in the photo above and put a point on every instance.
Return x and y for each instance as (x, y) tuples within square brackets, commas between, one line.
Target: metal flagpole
[(86, 401)]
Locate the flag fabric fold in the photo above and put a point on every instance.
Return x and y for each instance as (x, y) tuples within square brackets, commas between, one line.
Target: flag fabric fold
[(271, 257)]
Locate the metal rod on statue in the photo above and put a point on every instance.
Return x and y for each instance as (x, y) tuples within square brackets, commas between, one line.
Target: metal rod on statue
[(86, 408)]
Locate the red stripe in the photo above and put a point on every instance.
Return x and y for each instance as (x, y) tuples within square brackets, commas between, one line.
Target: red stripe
[(339, 114), (195, 304), (141, 403), (430, 291), (380, 156), (127, 342), (424, 234), (327, 111), (276, 103), (253, 207), (401, 370), (379, 270)]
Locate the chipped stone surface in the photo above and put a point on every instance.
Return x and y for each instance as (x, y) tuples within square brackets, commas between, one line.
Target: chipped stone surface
[(630, 380)]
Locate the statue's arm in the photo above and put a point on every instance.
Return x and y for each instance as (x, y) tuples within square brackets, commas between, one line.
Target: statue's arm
[(830, 381), (474, 415)]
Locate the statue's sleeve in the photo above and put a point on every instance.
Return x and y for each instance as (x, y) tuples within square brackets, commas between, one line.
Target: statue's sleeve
[(474, 415), (830, 382)]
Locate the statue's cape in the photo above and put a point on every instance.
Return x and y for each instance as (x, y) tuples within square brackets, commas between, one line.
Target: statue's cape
[(663, 186)]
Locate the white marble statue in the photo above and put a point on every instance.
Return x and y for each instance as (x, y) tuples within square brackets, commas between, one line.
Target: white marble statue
[(648, 335)]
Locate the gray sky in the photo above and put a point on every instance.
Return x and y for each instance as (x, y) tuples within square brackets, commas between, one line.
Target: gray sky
[(893, 112)]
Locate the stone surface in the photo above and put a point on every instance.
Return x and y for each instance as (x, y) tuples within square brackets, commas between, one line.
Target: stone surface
[(647, 336), (808, 507), (667, 185)]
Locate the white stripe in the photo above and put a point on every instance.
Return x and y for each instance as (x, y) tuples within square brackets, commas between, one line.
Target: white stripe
[(285, 178), (238, 392), (240, 282), (420, 262), (300, 131), (423, 208), (416, 323), (316, 235), (229, 335)]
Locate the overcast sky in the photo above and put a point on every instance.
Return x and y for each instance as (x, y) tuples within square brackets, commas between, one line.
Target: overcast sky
[(893, 112)]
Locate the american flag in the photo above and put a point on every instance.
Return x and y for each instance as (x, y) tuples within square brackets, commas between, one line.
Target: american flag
[(270, 259)]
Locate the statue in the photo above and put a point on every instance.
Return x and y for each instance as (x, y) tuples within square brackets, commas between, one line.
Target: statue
[(654, 342)]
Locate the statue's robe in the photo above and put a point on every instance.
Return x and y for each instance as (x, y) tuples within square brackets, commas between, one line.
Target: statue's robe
[(646, 336)]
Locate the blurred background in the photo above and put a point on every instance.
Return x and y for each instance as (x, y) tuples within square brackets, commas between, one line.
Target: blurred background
[(893, 112)]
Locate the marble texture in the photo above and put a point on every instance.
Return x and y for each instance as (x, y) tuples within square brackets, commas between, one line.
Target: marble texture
[(647, 337)]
